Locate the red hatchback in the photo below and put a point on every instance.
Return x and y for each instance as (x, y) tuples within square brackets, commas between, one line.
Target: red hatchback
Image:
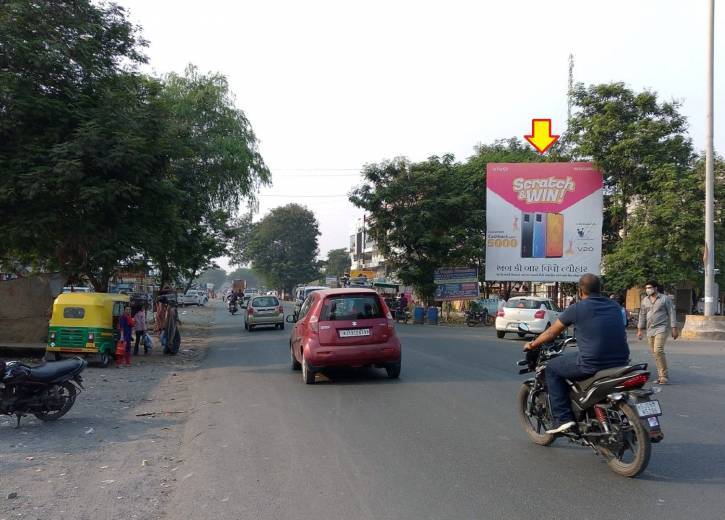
[(344, 328)]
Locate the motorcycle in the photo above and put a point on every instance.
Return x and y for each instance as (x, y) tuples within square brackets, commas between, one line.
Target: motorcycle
[(474, 318), (616, 416), (47, 391), (233, 308)]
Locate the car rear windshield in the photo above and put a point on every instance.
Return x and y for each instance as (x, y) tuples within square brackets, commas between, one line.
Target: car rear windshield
[(523, 304), (310, 291), (267, 301), (351, 307)]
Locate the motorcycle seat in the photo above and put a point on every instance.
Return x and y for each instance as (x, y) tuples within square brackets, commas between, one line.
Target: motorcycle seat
[(55, 369), (584, 384)]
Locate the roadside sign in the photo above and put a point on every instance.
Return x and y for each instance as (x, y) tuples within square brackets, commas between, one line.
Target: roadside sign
[(456, 283)]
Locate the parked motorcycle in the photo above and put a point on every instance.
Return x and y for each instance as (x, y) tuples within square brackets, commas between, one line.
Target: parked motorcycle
[(474, 318), (615, 414), (47, 391)]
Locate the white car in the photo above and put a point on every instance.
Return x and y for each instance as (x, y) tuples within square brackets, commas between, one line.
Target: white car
[(195, 297), (537, 312)]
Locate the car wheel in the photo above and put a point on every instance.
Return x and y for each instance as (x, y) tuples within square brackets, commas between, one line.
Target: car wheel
[(500, 334), (105, 359), (246, 327), (281, 326), (250, 328), (308, 375), (295, 364), (521, 334), (393, 371)]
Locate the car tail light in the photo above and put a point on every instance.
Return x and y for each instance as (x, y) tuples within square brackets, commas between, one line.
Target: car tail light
[(499, 313), (315, 323), (280, 309), (539, 315), (391, 321), (250, 310), (636, 381), (91, 337)]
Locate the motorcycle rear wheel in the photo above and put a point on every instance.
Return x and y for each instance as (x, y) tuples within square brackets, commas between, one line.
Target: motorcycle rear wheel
[(67, 392), (532, 426), (636, 440)]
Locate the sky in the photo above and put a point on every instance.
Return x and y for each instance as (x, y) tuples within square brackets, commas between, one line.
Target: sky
[(331, 85)]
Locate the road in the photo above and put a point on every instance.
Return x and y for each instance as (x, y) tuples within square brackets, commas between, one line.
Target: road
[(442, 442)]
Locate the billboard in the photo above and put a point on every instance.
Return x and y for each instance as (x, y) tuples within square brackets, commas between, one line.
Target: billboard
[(543, 221), (456, 283)]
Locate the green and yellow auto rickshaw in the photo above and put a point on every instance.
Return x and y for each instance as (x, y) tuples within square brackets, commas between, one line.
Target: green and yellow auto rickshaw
[(85, 323)]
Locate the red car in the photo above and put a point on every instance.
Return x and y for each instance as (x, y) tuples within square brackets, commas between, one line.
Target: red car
[(344, 328)]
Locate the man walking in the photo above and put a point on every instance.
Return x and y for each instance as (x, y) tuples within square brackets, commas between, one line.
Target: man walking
[(656, 314)]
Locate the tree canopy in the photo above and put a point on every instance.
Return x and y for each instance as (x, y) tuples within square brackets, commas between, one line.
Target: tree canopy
[(338, 262)]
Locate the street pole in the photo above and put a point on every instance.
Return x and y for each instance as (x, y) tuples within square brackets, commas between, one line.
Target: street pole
[(709, 256)]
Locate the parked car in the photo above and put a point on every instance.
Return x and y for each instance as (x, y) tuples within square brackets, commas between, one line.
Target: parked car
[(537, 312), (78, 289), (302, 293), (195, 297), (264, 310), (344, 327)]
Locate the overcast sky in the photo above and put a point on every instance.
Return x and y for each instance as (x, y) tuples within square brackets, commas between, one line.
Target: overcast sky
[(330, 86)]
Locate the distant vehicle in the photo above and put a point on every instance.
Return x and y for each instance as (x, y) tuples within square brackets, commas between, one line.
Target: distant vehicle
[(264, 310), (302, 293), (536, 312), (195, 297), (77, 289), (239, 285), (344, 327), (272, 293)]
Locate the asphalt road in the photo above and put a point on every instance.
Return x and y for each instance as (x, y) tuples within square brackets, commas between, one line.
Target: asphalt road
[(442, 442)]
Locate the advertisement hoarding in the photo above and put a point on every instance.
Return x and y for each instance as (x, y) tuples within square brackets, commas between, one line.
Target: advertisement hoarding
[(456, 283), (543, 221)]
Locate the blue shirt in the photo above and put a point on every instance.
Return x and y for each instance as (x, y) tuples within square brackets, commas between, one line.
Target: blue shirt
[(600, 334)]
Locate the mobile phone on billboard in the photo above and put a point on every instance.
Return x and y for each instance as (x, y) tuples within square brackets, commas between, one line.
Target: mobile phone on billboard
[(539, 238), (527, 234), (554, 235)]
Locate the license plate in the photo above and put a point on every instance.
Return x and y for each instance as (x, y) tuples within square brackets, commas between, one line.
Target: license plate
[(514, 326), (354, 333), (649, 408)]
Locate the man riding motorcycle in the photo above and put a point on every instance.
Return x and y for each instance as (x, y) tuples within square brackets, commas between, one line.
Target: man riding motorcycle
[(601, 339)]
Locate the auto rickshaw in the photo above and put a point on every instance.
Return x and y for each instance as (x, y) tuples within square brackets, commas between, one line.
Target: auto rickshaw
[(85, 323)]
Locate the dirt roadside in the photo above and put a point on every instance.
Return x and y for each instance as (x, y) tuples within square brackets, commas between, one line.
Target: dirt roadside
[(115, 454)]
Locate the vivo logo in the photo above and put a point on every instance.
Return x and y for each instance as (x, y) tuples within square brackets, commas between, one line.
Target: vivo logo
[(584, 248)]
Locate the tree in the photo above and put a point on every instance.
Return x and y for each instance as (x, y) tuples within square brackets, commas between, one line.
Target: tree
[(338, 262), (78, 132), (432, 214), (214, 275), (214, 164), (283, 246), (666, 231), (249, 275), (631, 137)]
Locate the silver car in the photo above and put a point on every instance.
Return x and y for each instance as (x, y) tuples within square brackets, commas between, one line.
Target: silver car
[(264, 310)]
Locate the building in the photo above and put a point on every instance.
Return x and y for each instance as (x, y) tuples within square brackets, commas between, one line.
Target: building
[(365, 257)]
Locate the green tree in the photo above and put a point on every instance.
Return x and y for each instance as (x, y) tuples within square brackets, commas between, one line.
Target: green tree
[(432, 214), (214, 275), (282, 247), (214, 164), (632, 137), (252, 278), (338, 262), (667, 232), (78, 133)]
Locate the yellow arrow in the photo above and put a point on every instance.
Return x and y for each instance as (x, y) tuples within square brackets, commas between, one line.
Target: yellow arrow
[(541, 137)]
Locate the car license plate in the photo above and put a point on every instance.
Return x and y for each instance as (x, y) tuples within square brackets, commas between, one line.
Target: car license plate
[(514, 326), (354, 333), (649, 408)]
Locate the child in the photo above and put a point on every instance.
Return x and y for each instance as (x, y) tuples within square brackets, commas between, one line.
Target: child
[(140, 319), (126, 325)]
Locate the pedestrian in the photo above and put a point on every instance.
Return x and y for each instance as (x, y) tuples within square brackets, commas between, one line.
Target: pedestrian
[(619, 301), (126, 325), (657, 314), (140, 329)]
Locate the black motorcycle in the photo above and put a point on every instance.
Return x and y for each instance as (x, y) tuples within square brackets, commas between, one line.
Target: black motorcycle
[(476, 317), (233, 307), (47, 391), (615, 415)]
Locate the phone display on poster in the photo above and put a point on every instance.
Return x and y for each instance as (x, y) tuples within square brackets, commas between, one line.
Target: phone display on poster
[(543, 221)]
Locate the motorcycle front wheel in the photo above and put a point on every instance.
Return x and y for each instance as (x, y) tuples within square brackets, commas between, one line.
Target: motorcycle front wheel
[(631, 456), (66, 396), (534, 424)]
